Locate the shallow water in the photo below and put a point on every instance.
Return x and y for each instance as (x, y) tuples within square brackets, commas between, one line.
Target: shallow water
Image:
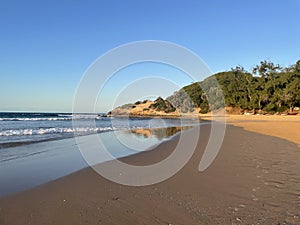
[(24, 167), (23, 128)]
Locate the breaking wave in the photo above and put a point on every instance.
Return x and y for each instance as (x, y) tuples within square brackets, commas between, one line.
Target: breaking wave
[(41, 131)]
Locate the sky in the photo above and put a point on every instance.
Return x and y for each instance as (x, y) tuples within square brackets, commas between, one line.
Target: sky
[(47, 46)]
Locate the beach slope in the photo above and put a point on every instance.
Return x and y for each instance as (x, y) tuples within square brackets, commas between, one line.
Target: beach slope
[(255, 179)]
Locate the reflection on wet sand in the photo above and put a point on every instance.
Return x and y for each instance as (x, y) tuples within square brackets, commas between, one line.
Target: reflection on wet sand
[(159, 133)]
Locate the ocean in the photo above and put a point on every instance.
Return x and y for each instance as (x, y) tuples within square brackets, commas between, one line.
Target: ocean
[(18, 128), (36, 148)]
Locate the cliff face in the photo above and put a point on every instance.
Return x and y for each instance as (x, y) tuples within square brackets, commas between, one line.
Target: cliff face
[(159, 107)]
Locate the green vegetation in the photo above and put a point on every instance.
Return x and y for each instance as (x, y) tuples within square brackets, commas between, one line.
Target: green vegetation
[(162, 105), (269, 88)]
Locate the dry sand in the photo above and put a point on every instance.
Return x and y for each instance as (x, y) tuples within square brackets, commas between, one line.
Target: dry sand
[(255, 179), (287, 127)]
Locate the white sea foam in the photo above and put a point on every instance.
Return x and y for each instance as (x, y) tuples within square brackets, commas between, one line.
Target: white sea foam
[(41, 131), (84, 116)]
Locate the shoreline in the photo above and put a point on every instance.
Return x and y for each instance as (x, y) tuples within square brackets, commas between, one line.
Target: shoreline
[(255, 178), (21, 142), (25, 159)]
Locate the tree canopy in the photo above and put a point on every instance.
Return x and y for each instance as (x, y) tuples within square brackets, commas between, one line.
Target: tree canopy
[(267, 88)]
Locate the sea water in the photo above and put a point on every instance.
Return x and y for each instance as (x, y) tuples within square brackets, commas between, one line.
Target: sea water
[(40, 147), (19, 128)]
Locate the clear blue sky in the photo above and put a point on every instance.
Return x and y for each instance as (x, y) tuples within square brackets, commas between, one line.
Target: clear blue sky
[(45, 46)]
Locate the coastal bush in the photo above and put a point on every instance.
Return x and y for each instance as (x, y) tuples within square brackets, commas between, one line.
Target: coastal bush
[(162, 105), (269, 87), (204, 107)]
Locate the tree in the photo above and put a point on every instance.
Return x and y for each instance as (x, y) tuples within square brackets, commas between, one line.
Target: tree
[(268, 71), (270, 88), (292, 92)]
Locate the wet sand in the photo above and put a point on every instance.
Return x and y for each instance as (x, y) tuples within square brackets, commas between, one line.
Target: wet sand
[(255, 179)]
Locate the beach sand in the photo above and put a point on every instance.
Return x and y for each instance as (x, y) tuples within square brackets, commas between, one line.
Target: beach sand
[(287, 127), (255, 179)]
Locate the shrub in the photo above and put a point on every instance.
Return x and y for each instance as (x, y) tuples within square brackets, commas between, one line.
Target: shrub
[(204, 107)]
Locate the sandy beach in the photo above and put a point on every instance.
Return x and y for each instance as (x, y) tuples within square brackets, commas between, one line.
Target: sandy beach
[(255, 179)]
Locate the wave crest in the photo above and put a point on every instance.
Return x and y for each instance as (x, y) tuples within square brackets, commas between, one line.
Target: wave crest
[(41, 131)]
